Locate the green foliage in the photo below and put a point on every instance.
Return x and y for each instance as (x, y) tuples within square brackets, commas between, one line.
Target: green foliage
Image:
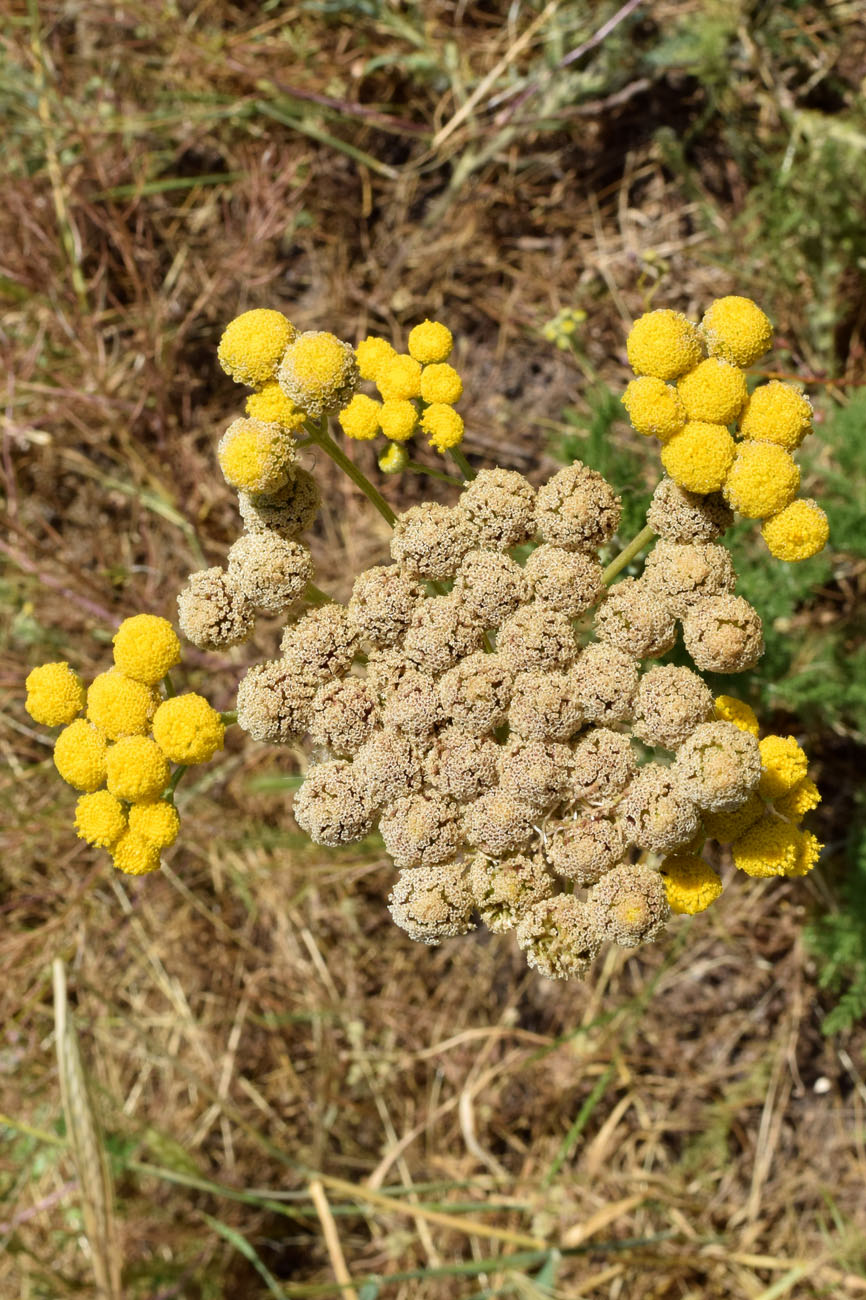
[(838, 940)]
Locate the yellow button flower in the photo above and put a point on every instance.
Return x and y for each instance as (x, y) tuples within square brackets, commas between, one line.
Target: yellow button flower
[(725, 827), (146, 648), (430, 342), (762, 480), (691, 884), (134, 855), (736, 330), (770, 848), (372, 353), (441, 383), (360, 419), (136, 768), (256, 457), (318, 373), (798, 532), (252, 345), (399, 378), (271, 406), (699, 456), (55, 694), (119, 705), (99, 819), (785, 765), (187, 729), (713, 391), (157, 822), (663, 344), (399, 419), (799, 800), (729, 709), (80, 754), (443, 426), (779, 413), (808, 852), (654, 408)]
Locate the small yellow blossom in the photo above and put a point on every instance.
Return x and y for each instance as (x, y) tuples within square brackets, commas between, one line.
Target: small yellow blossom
[(394, 459), (271, 406), (443, 426), (725, 827), (779, 413), (252, 345), (699, 457), (399, 378), (146, 647), (808, 852), (157, 822), (99, 819), (785, 765), (256, 457), (798, 532), (441, 383), (691, 884), (654, 408), (771, 848), (79, 755), (136, 768), (318, 373), (736, 711), (799, 800), (118, 705), (134, 855), (372, 353), (762, 480), (399, 419), (55, 694), (187, 729), (663, 344), (430, 342), (360, 419), (736, 330), (713, 391)]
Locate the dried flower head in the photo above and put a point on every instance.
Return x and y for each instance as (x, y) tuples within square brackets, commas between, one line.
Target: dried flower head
[(568, 581), (430, 540), (655, 811), (602, 764), (287, 512), (499, 505), (460, 764), (506, 888), (718, 766), (606, 679), (212, 611), (274, 703), (332, 805), (412, 703), (491, 587), (271, 571), (535, 771), (498, 823), (382, 603), (544, 706), (634, 620), (537, 637), (682, 572), (344, 714), (440, 633), (318, 373), (475, 693), (669, 704), (433, 903), (723, 634), (681, 516), (321, 644), (388, 765), (630, 905), (577, 509), (585, 848), (420, 830), (560, 937)]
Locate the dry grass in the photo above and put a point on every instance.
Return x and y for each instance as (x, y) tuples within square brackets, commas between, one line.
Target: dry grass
[(289, 1094)]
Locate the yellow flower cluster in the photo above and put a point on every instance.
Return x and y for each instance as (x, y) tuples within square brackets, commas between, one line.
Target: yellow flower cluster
[(691, 394), (562, 328), (119, 754)]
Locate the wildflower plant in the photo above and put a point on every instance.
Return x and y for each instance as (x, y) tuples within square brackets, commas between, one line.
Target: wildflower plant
[(492, 701)]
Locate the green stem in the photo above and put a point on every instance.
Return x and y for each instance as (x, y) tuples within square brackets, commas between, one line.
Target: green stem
[(320, 436), (168, 793), (229, 718), (315, 596), (169, 685), (462, 463), (635, 546), (416, 468)]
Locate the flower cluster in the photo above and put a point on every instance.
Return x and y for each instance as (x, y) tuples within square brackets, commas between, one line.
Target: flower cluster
[(691, 392), (120, 736)]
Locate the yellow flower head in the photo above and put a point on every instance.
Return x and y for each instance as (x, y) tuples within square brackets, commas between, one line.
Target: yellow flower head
[(134, 855), (360, 419), (430, 342), (99, 819), (799, 800), (779, 413), (318, 373), (399, 419), (79, 755), (55, 694), (146, 648), (798, 532), (443, 426), (372, 354), (399, 378), (762, 480), (136, 768), (771, 848), (725, 827), (785, 764), (736, 330), (157, 822), (119, 705), (736, 711), (252, 344), (663, 344), (699, 457), (713, 391), (187, 729), (690, 884), (271, 406), (441, 383), (808, 852), (654, 408), (394, 459), (256, 457)]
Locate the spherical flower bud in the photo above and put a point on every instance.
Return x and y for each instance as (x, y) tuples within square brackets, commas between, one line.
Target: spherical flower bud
[(118, 705), (430, 342), (714, 391), (440, 633), (728, 709), (134, 855), (682, 516), (288, 512), (577, 509), (499, 505), (443, 426), (398, 419), (412, 703), (212, 611), (725, 827), (535, 771), (536, 637), (399, 378), (655, 811), (381, 605), (771, 847), (663, 344), (188, 730), (736, 330), (136, 768), (490, 586), (146, 648), (332, 805), (388, 765), (441, 383), (318, 373), (718, 766), (321, 644), (420, 830), (372, 354), (157, 822), (798, 532), (582, 850), (433, 903), (498, 823), (683, 572), (605, 682), (99, 819), (271, 571), (274, 703), (560, 937), (654, 408), (430, 540), (699, 457), (55, 694), (345, 713), (256, 457), (394, 459), (570, 581), (630, 906), (799, 800), (79, 755), (690, 884), (669, 704), (506, 888), (602, 764), (475, 693), (762, 480), (634, 620), (777, 412), (461, 765), (544, 706), (723, 634), (360, 419), (252, 344), (271, 406), (785, 764)]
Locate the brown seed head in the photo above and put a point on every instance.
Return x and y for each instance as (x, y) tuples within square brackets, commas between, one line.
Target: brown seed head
[(382, 603), (331, 805), (537, 637), (497, 823), (475, 693), (535, 771), (440, 633), (289, 512), (420, 830), (499, 505), (433, 903), (723, 634), (630, 905), (669, 704), (212, 611), (412, 704), (718, 766), (655, 811), (602, 764), (491, 586), (682, 572), (585, 848), (430, 540), (461, 765), (274, 703), (577, 509), (570, 581), (544, 706), (321, 643), (388, 765), (560, 937), (505, 888), (681, 516), (345, 713), (606, 680), (633, 619), (270, 570)]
